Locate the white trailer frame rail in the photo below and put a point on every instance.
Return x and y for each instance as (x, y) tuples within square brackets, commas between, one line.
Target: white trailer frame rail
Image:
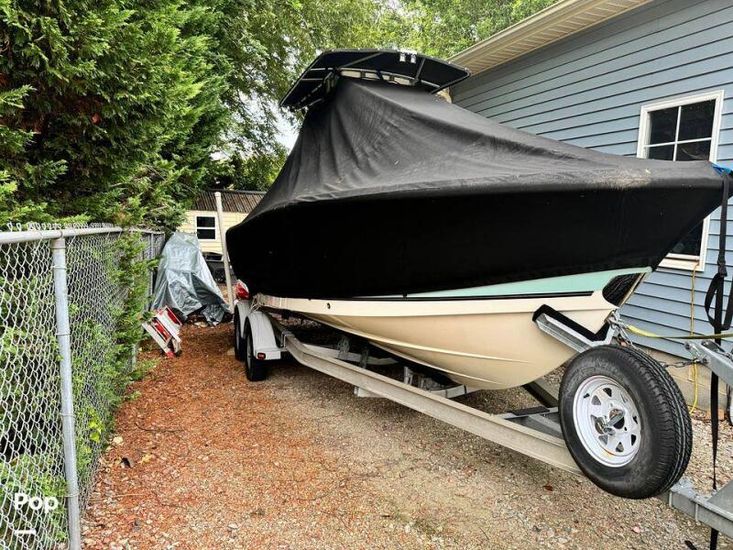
[(497, 428), (533, 432)]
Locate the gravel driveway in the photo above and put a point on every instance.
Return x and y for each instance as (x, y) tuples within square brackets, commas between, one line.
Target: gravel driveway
[(205, 459)]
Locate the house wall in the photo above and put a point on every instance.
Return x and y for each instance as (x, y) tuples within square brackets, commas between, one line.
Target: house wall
[(588, 90), (230, 219)]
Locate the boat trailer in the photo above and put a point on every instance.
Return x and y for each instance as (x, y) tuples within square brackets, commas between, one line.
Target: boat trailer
[(534, 432)]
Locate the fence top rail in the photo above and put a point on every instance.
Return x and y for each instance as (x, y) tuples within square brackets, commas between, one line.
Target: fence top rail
[(9, 237), (47, 232)]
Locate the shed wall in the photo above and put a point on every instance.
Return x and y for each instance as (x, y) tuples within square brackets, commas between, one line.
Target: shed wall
[(230, 219)]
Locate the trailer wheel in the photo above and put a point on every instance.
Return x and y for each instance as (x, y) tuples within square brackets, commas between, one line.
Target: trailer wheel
[(625, 421), (255, 369), (238, 339)]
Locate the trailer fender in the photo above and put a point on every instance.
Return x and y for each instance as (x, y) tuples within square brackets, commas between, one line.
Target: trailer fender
[(263, 335)]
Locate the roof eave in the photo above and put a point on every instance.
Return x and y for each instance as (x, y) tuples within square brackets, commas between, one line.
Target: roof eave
[(553, 23)]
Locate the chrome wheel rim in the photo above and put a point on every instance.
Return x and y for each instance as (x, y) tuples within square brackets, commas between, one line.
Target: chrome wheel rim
[(607, 421)]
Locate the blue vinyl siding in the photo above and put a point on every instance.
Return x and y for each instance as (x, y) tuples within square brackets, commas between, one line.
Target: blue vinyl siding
[(588, 90)]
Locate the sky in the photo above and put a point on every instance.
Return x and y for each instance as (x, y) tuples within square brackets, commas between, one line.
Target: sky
[(287, 133)]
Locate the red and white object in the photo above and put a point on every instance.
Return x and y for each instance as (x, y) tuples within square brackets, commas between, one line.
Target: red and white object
[(165, 329), (241, 291)]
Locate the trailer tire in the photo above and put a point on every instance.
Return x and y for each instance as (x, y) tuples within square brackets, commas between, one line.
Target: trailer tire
[(625, 421), (239, 345), (255, 369)]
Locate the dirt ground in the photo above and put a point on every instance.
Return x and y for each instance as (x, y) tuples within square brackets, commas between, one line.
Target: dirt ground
[(203, 459)]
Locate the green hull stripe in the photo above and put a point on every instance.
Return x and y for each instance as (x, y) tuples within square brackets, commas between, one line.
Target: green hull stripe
[(585, 282)]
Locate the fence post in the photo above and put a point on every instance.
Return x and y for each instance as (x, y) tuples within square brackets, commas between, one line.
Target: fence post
[(224, 252), (63, 335)]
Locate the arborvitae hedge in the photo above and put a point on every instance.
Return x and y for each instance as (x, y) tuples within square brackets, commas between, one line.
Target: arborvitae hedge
[(109, 110)]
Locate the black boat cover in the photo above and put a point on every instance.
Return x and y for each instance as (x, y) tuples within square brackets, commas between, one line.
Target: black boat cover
[(391, 190)]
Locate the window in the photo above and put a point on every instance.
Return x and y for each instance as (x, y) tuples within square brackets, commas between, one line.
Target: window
[(682, 130), (206, 228)]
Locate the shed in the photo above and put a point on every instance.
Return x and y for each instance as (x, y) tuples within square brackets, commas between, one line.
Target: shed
[(201, 219)]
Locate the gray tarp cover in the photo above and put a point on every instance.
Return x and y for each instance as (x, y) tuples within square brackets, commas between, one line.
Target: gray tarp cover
[(184, 282)]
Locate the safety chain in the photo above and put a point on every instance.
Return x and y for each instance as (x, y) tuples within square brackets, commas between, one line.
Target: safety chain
[(622, 335)]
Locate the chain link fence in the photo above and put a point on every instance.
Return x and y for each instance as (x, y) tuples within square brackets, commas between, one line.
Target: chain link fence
[(51, 341)]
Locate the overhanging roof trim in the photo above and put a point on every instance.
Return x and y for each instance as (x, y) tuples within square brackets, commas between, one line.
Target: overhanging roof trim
[(554, 23)]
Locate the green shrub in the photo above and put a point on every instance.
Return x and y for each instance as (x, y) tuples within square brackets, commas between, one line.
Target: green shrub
[(108, 284)]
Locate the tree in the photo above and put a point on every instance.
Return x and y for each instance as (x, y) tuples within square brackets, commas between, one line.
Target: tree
[(443, 28), (111, 110), (16, 167), (435, 27), (255, 172), (269, 44)]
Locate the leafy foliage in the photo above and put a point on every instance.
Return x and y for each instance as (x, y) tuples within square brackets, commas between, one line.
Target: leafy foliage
[(435, 27), (109, 109), (268, 43), (254, 172), (444, 27)]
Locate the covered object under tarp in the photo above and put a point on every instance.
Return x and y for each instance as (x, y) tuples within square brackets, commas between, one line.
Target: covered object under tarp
[(392, 190), (184, 282)]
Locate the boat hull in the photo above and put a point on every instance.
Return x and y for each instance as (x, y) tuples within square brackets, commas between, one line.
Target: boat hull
[(491, 343)]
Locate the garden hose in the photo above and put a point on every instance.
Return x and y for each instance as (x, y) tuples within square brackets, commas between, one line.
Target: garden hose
[(693, 367), (647, 334)]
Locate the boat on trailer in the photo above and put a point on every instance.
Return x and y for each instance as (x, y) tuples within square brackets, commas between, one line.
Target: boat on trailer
[(442, 237), (436, 234), (483, 338)]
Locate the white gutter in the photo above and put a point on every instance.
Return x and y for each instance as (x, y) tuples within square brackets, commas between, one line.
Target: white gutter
[(558, 21)]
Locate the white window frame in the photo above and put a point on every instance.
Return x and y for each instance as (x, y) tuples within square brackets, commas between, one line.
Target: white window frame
[(196, 227), (684, 261)]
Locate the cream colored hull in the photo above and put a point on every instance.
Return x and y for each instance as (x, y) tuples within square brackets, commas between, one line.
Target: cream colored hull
[(487, 343)]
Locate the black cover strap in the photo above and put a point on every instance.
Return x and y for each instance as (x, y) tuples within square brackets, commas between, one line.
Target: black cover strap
[(716, 290), (714, 432), (721, 321)]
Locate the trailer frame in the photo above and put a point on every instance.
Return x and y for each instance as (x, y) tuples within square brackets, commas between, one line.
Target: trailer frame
[(533, 432)]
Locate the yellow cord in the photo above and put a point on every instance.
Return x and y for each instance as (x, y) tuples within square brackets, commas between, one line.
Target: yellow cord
[(646, 334), (693, 367)]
